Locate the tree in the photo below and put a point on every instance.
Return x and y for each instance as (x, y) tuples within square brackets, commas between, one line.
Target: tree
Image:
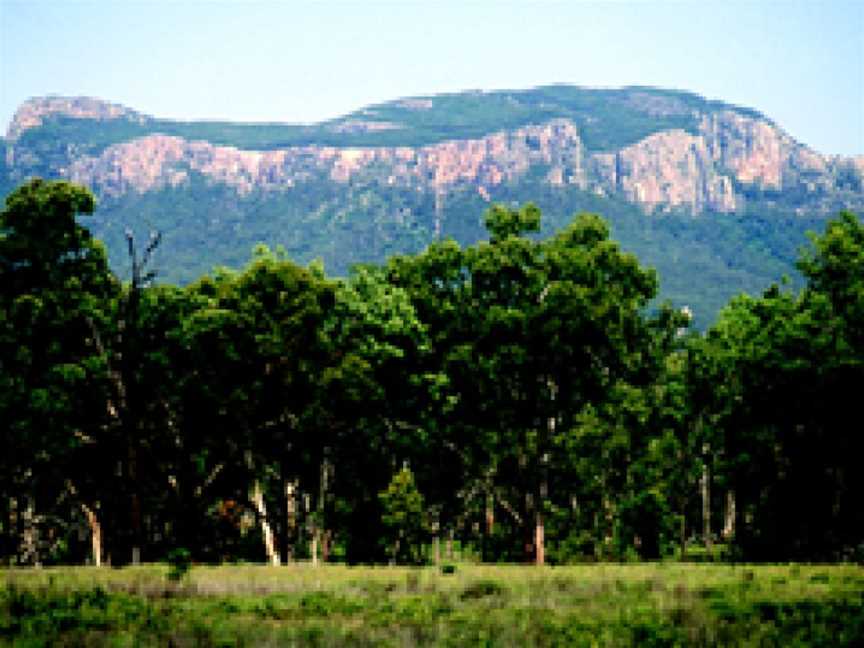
[(795, 370), (55, 286), (378, 389), (449, 465), (404, 519), (533, 332), (258, 349)]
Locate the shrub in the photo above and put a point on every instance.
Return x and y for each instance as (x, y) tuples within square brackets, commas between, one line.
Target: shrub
[(179, 562)]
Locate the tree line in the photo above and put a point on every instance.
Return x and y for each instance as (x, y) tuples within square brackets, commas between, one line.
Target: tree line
[(520, 399)]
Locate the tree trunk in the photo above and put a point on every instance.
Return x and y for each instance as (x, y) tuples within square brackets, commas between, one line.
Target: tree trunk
[(318, 526), (314, 547), (706, 500), (609, 530), (289, 519), (543, 495), (488, 526), (729, 521), (95, 534), (10, 532), (135, 505), (30, 536), (325, 546), (528, 531), (539, 540), (266, 529)]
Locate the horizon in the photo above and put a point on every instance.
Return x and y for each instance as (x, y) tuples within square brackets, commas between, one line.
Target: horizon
[(801, 64), (465, 91)]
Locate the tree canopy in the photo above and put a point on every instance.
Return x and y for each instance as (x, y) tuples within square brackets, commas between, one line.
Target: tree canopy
[(519, 399)]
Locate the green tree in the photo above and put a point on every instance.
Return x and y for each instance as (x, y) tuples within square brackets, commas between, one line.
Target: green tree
[(782, 424), (537, 331), (378, 392), (55, 291), (404, 519)]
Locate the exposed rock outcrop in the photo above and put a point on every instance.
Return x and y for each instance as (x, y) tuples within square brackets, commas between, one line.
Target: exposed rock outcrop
[(32, 112), (668, 169), (155, 161), (727, 156)]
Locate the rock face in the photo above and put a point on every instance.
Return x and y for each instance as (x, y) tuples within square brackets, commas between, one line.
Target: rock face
[(758, 153), (155, 161), (32, 112), (712, 168), (666, 170), (393, 177)]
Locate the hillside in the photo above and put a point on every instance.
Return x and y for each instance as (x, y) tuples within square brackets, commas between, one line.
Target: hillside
[(715, 196)]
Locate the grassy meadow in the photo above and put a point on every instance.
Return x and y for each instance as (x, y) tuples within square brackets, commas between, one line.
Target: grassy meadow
[(656, 604)]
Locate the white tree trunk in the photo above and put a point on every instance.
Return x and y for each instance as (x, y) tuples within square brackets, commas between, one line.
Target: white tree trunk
[(315, 547), (290, 518), (96, 542), (539, 540), (266, 529), (706, 500), (729, 522), (95, 534)]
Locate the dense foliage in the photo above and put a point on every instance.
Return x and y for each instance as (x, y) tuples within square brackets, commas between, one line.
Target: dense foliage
[(519, 398), (702, 261)]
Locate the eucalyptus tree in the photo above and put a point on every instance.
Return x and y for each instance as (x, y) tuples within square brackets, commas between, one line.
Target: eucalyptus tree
[(379, 389), (280, 310), (194, 370), (792, 371), (528, 334), (54, 285), (596, 357), (833, 305), (450, 470)]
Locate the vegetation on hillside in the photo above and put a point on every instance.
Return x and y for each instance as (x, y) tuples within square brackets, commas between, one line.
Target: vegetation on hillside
[(703, 260), (607, 118)]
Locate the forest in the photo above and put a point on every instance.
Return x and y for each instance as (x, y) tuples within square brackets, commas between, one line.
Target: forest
[(522, 399)]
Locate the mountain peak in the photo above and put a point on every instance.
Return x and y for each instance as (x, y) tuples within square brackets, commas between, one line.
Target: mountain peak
[(33, 112)]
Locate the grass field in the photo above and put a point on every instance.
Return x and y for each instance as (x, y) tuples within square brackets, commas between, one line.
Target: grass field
[(593, 605)]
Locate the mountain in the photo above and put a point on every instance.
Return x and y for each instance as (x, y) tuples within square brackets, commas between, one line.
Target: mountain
[(716, 196)]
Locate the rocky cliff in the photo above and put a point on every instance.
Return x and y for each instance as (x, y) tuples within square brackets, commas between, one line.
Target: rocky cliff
[(714, 168), (392, 177), (33, 112)]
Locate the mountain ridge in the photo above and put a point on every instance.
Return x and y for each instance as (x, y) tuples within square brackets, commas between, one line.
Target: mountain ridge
[(392, 177), (666, 169), (81, 106)]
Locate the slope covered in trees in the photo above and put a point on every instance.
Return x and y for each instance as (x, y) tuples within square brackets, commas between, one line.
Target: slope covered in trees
[(715, 196), (517, 396)]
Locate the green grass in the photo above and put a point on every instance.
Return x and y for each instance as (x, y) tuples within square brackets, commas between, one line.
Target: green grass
[(592, 605)]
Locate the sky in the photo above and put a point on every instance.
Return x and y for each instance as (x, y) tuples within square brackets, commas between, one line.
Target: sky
[(800, 63)]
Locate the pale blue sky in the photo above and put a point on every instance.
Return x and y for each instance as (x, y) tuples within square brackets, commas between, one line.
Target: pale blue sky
[(801, 63)]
